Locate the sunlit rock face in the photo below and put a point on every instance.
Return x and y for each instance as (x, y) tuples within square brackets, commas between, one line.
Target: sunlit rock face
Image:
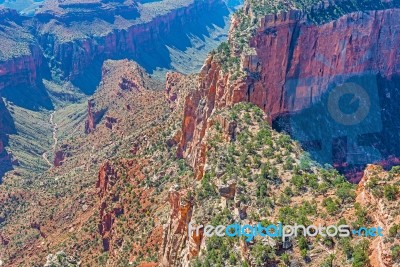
[(333, 87)]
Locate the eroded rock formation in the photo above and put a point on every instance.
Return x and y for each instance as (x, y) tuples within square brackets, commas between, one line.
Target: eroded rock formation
[(106, 179), (170, 88), (176, 229)]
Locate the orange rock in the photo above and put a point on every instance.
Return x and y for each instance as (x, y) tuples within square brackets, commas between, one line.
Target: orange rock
[(170, 85), (379, 251), (176, 229), (90, 124), (107, 177), (59, 158)]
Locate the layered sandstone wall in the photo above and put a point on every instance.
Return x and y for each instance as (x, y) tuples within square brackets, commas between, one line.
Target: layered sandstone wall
[(20, 55), (72, 49), (72, 57), (293, 66), (298, 61), (21, 71)]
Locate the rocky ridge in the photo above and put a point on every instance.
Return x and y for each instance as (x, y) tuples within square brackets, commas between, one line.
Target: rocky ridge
[(248, 179)]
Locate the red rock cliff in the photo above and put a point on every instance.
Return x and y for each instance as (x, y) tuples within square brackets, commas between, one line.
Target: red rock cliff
[(21, 71), (298, 61), (294, 62), (106, 179), (90, 123), (176, 229), (20, 55)]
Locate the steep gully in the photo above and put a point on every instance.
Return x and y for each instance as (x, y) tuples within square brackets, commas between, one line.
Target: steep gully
[(299, 67)]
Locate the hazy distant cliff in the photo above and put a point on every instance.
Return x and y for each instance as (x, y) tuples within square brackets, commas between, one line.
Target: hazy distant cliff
[(73, 39), (20, 54), (75, 48)]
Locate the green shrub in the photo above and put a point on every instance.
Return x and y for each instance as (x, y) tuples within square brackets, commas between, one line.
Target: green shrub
[(394, 230), (360, 254), (332, 205), (207, 188), (345, 191), (390, 192), (395, 170), (396, 253), (262, 253)]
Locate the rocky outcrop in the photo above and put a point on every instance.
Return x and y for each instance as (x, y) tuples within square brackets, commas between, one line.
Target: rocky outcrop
[(21, 71), (379, 253), (174, 139), (106, 179), (228, 191), (215, 90), (293, 69), (61, 259), (94, 116), (176, 229), (3, 240), (90, 125), (172, 79), (110, 121), (59, 158), (61, 155), (127, 84)]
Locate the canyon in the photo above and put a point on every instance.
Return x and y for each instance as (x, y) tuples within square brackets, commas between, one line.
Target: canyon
[(136, 159), (54, 58), (73, 39)]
